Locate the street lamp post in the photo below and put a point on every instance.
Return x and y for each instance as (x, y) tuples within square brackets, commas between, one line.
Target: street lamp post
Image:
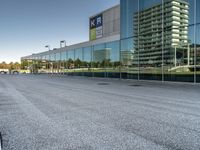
[(48, 46), (63, 41)]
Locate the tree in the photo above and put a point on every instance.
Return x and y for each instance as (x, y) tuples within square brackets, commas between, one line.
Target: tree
[(3, 65), (10, 66), (24, 64), (77, 63)]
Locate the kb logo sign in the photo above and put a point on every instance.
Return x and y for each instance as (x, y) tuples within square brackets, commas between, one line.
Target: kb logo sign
[(96, 27), (96, 21)]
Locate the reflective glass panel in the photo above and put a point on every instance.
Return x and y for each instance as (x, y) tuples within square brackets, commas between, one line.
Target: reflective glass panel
[(128, 9), (71, 54), (149, 40), (78, 54), (70, 61), (112, 64), (52, 57), (198, 53), (78, 61), (100, 57), (179, 42), (63, 56), (198, 11), (63, 63), (191, 10), (129, 61), (58, 56), (87, 58)]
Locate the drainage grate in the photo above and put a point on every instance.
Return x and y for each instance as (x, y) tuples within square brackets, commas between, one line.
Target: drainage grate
[(135, 85), (103, 83)]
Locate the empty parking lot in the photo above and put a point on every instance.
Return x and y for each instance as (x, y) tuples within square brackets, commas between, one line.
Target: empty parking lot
[(44, 112)]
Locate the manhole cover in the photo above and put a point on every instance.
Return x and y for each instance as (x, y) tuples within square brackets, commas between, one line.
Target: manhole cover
[(103, 83), (136, 85)]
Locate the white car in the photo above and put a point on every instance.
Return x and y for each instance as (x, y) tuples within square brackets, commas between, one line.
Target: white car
[(4, 71)]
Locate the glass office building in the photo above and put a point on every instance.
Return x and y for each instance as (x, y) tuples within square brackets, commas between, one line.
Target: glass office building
[(139, 39)]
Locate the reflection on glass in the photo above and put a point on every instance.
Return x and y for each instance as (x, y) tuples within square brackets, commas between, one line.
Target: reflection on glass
[(129, 65), (197, 11), (87, 58), (101, 56), (63, 62), (70, 61), (160, 40), (178, 47), (128, 8), (198, 53), (78, 61), (112, 63), (148, 42)]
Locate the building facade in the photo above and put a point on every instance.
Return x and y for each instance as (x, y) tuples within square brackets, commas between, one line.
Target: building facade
[(138, 39)]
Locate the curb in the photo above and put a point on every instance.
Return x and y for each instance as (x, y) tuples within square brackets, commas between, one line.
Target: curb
[(1, 144)]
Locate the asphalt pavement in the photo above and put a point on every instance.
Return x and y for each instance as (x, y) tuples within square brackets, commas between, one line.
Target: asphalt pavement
[(44, 112)]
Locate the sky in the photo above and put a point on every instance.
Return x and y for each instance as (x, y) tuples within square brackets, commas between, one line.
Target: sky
[(26, 26)]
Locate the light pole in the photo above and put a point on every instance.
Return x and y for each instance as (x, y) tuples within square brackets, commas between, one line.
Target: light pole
[(48, 46), (63, 41)]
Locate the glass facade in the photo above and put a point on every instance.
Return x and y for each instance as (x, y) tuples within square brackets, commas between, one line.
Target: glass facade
[(197, 53), (100, 54), (112, 63), (87, 59), (159, 40), (165, 39), (128, 8)]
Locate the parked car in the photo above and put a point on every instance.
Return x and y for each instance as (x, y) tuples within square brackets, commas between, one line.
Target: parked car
[(14, 72), (4, 71)]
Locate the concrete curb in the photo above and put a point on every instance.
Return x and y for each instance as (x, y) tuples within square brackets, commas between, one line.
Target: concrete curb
[(1, 144)]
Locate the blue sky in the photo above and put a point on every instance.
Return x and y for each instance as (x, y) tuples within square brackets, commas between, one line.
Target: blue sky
[(26, 26)]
